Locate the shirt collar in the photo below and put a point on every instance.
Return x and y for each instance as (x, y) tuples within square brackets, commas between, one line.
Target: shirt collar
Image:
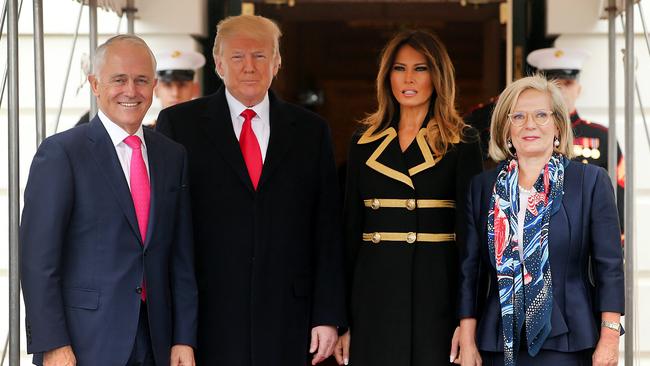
[(116, 132), (236, 107)]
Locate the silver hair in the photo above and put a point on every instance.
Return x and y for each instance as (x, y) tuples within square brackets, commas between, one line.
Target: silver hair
[(100, 53)]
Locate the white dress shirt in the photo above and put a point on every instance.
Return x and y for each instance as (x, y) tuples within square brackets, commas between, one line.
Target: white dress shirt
[(521, 218), (260, 124), (123, 150)]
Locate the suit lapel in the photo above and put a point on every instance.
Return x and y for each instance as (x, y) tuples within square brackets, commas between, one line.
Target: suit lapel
[(103, 151), (281, 124), (218, 127), (387, 158), (156, 177)]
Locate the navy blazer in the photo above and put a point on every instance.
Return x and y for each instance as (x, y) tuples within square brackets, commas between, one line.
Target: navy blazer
[(82, 255), (584, 252)]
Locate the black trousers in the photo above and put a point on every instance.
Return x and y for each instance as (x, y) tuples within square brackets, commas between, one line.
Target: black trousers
[(142, 354)]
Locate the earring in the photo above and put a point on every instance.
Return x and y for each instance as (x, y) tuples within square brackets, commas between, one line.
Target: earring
[(556, 142), (509, 143)]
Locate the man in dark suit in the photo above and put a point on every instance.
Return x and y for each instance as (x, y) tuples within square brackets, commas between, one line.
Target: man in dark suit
[(106, 237), (265, 208)]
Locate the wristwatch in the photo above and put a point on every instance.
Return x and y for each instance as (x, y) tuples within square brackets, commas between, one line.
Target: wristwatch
[(611, 325)]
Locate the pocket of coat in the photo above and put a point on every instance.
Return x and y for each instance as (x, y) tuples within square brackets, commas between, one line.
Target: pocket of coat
[(81, 298), (302, 287)]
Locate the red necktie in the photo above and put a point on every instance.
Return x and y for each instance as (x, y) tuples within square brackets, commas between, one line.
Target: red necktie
[(250, 148), (140, 191)]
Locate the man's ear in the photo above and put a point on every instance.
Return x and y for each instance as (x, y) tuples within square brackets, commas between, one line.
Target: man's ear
[(196, 89), (218, 66), (92, 80), (276, 68)]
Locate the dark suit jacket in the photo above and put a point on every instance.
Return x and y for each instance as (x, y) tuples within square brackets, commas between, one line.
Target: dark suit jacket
[(583, 233), (83, 259), (269, 262)]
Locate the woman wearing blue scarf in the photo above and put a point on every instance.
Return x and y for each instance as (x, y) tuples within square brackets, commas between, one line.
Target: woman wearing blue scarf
[(542, 272)]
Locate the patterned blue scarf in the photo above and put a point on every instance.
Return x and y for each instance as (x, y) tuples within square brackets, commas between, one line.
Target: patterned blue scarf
[(525, 291)]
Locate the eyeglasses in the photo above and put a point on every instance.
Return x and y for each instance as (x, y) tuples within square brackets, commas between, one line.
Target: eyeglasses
[(540, 117)]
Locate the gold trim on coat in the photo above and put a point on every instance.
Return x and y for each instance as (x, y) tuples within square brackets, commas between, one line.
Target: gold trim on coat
[(389, 135), (429, 161), (372, 162), (409, 204), (410, 237)]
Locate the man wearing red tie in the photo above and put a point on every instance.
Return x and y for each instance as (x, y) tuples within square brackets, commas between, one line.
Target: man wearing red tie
[(265, 210), (106, 233)]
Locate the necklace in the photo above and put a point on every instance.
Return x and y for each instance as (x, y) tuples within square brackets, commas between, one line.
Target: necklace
[(529, 191)]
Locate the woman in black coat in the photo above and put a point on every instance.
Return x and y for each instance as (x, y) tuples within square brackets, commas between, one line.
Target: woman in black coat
[(409, 168)]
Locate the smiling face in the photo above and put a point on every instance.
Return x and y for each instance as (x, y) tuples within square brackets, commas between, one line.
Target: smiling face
[(530, 139), (410, 79), (247, 67), (124, 84)]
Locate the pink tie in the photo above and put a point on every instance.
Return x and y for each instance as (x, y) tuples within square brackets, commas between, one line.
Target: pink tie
[(140, 190), (250, 148)]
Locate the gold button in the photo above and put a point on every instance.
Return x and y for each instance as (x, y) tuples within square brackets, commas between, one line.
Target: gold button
[(375, 204), (410, 238), (584, 161), (376, 238), (410, 204)]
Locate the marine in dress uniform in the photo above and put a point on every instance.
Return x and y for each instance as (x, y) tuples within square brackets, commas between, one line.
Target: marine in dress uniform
[(590, 138), (175, 71)]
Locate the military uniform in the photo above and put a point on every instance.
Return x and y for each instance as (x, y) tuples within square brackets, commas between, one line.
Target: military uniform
[(404, 221), (590, 147)]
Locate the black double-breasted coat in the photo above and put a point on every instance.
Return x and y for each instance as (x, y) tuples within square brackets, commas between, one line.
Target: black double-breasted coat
[(269, 262), (402, 230)]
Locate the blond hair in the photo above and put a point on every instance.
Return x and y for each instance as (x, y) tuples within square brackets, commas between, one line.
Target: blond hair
[(500, 123), (253, 26)]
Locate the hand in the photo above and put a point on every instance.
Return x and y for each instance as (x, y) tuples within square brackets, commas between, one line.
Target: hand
[(453, 352), (342, 349), (62, 356), (469, 354), (323, 340), (182, 355), (606, 353)]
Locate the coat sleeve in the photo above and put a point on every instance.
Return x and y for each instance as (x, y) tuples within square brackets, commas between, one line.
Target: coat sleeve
[(328, 306), (183, 282), (470, 255), (470, 163), (606, 251), (49, 198), (353, 213)]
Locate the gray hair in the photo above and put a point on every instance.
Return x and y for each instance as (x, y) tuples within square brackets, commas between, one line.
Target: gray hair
[(100, 53)]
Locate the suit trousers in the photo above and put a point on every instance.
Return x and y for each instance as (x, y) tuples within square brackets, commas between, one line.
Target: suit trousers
[(142, 353)]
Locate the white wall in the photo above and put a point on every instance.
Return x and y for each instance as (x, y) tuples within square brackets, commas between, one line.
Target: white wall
[(588, 32)]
